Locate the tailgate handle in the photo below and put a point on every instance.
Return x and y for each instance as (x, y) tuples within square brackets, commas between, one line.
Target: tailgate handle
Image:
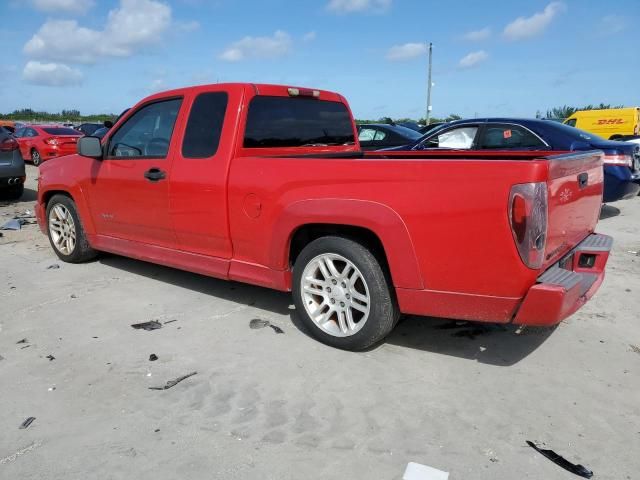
[(583, 179)]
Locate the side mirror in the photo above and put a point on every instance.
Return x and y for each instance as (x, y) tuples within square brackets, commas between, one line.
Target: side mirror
[(108, 123), (90, 147)]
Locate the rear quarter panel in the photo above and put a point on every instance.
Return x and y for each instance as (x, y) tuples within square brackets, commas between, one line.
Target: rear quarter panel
[(453, 214)]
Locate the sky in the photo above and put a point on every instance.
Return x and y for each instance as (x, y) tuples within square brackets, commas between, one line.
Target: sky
[(490, 58)]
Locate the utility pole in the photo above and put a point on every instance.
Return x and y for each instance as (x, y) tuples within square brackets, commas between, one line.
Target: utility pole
[(429, 85)]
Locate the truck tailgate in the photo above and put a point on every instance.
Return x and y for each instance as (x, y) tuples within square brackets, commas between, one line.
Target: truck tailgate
[(575, 188)]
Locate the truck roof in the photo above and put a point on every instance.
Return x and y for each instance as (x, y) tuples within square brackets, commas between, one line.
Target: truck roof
[(258, 88)]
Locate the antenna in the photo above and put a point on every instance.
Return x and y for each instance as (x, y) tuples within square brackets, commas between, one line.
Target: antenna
[(429, 85)]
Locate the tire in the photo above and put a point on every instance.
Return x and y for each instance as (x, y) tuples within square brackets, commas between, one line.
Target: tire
[(330, 297), (68, 249), (35, 157)]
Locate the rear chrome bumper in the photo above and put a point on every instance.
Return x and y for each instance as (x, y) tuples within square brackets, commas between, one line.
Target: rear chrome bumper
[(567, 285)]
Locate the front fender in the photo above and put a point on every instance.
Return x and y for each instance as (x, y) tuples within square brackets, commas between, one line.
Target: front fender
[(46, 190), (376, 217)]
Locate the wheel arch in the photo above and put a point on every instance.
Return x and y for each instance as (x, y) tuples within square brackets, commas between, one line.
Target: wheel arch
[(78, 199), (375, 225)]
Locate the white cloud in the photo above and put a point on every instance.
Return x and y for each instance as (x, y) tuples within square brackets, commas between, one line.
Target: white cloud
[(51, 74), (133, 25), (309, 36), (408, 51), (352, 6), (477, 35), (612, 24), (527, 27), (276, 46), (473, 59), (63, 6)]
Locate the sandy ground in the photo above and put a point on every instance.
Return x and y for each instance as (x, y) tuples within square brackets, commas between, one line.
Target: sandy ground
[(282, 406)]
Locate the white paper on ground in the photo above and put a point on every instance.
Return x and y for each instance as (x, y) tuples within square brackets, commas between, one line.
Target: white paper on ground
[(415, 471)]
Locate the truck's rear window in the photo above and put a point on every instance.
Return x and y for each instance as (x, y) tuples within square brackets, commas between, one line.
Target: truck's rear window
[(295, 122)]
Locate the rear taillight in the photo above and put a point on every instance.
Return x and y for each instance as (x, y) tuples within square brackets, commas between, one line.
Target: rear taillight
[(51, 141), (528, 220), (621, 160), (8, 144)]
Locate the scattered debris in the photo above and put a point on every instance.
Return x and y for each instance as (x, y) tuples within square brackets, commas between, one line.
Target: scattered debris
[(73, 295), (633, 252), (416, 471), (153, 357), (26, 346), (13, 224), (257, 323), (22, 451), (27, 422), (173, 383), (170, 321), (51, 358), (51, 389), (152, 325), (562, 462), (628, 290), (53, 266), (157, 430), (634, 348), (24, 340)]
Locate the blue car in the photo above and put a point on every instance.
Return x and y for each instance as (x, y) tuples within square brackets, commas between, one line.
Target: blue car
[(621, 159)]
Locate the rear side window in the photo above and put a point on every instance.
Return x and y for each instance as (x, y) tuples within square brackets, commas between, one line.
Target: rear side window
[(509, 136), (204, 126), (296, 122), (61, 131)]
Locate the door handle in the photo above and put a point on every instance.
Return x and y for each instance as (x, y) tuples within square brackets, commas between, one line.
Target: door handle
[(155, 175), (583, 179)]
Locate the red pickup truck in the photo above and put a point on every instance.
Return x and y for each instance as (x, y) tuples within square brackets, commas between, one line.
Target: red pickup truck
[(267, 185)]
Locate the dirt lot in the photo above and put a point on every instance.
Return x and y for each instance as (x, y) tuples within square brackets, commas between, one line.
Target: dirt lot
[(282, 406)]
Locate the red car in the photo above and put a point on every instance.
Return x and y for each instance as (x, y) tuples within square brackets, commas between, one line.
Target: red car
[(267, 185), (42, 142)]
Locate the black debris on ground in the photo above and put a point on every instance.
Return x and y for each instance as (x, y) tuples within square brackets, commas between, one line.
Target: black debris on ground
[(26, 423), (634, 348), (152, 325), (276, 328), (173, 383), (578, 469), (24, 340), (54, 266), (153, 357), (26, 346), (50, 357), (170, 321)]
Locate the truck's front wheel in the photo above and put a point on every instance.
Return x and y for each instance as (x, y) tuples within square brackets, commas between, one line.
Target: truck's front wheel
[(342, 294), (66, 234)]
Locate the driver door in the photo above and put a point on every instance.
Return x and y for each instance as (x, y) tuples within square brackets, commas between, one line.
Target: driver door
[(129, 191)]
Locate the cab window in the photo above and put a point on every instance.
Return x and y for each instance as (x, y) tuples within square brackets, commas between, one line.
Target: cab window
[(147, 133), (571, 122), (366, 135)]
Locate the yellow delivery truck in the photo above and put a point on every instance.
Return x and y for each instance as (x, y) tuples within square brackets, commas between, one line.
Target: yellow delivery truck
[(611, 123)]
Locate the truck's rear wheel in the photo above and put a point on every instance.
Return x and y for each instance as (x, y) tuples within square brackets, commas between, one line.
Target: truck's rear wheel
[(65, 231), (342, 294)]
